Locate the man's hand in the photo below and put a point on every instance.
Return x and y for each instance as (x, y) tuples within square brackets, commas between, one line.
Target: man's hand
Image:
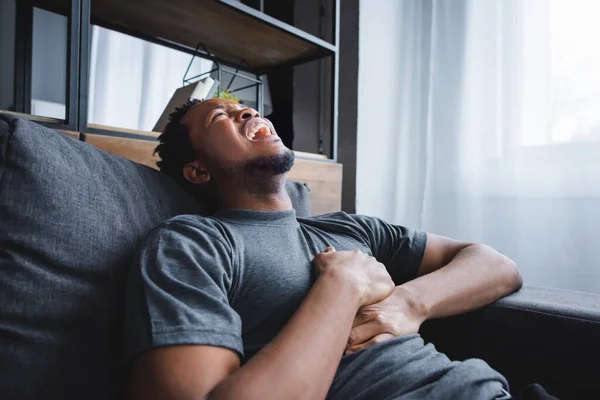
[(394, 316), (363, 272), (453, 278)]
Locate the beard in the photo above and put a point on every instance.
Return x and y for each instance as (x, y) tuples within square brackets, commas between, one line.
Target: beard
[(276, 164), (262, 166), (261, 174)]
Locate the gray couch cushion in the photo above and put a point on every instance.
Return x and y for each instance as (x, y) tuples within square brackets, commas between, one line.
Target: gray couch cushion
[(300, 196), (70, 217)]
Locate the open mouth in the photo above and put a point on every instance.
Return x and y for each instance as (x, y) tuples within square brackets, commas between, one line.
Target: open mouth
[(257, 129)]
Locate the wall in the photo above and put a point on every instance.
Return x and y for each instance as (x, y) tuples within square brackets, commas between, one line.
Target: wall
[(379, 43)]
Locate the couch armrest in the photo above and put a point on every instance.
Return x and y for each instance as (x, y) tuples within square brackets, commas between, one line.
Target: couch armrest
[(547, 336)]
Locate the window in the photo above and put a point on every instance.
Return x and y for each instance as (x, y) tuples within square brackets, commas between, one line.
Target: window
[(561, 79)]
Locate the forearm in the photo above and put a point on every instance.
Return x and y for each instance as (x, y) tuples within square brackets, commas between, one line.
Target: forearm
[(478, 275), (302, 359)]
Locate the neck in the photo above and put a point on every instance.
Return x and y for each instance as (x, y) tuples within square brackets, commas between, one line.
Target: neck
[(263, 194)]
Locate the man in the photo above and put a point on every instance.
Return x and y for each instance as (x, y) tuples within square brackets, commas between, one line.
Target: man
[(254, 303)]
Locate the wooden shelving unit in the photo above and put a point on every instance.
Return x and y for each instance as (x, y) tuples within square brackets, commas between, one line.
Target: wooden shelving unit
[(228, 31), (234, 35), (232, 31)]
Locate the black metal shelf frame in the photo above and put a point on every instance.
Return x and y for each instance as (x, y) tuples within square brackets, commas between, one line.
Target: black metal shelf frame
[(219, 69), (78, 56), (326, 47), (23, 56)]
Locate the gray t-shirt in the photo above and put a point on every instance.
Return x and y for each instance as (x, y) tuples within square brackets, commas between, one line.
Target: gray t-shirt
[(235, 279)]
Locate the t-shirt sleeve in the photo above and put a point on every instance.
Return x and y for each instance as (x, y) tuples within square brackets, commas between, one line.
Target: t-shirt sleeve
[(399, 248), (178, 292)]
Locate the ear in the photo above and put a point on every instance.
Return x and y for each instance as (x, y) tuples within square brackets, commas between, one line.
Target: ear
[(196, 173)]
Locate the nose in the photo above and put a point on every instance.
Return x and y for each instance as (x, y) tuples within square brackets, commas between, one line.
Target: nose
[(246, 114)]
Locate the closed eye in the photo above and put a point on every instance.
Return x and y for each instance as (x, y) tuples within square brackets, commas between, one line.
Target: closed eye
[(216, 115)]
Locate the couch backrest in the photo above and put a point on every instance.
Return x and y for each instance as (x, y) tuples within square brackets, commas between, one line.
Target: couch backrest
[(70, 217)]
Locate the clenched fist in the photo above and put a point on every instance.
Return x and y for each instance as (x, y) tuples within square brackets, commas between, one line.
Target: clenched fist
[(368, 276)]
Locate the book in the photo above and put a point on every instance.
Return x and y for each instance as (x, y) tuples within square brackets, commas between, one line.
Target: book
[(202, 89)]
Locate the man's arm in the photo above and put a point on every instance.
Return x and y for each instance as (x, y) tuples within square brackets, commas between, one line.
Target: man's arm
[(454, 277), (299, 363)]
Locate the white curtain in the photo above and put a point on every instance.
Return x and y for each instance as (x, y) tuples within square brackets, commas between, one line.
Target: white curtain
[(499, 136), (131, 80)]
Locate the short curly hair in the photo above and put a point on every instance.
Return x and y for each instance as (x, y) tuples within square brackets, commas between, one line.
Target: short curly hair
[(175, 147)]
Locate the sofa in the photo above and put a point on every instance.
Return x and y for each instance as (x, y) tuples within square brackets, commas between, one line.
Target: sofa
[(71, 216)]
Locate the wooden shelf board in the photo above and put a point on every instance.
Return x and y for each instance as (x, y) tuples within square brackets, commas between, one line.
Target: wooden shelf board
[(230, 30), (311, 156), (125, 130), (140, 151), (36, 118), (74, 135), (299, 154), (325, 181)]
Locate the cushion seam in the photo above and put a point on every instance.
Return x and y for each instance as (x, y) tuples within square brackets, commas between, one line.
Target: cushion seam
[(553, 314)]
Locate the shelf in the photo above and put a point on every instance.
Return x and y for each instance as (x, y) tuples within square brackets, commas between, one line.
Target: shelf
[(311, 156), (36, 118), (117, 130), (230, 30), (105, 130)]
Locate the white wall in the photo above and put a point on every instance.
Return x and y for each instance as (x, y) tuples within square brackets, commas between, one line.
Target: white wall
[(378, 84)]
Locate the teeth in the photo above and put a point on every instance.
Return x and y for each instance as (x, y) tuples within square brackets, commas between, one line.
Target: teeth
[(253, 132)]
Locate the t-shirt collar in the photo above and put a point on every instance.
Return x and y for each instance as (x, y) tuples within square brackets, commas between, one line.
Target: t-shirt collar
[(287, 217)]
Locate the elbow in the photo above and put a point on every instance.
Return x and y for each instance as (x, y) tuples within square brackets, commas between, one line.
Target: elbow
[(507, 276), (514, 280)]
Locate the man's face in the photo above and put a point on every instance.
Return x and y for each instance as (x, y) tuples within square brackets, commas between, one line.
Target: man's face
[(227, 135)]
